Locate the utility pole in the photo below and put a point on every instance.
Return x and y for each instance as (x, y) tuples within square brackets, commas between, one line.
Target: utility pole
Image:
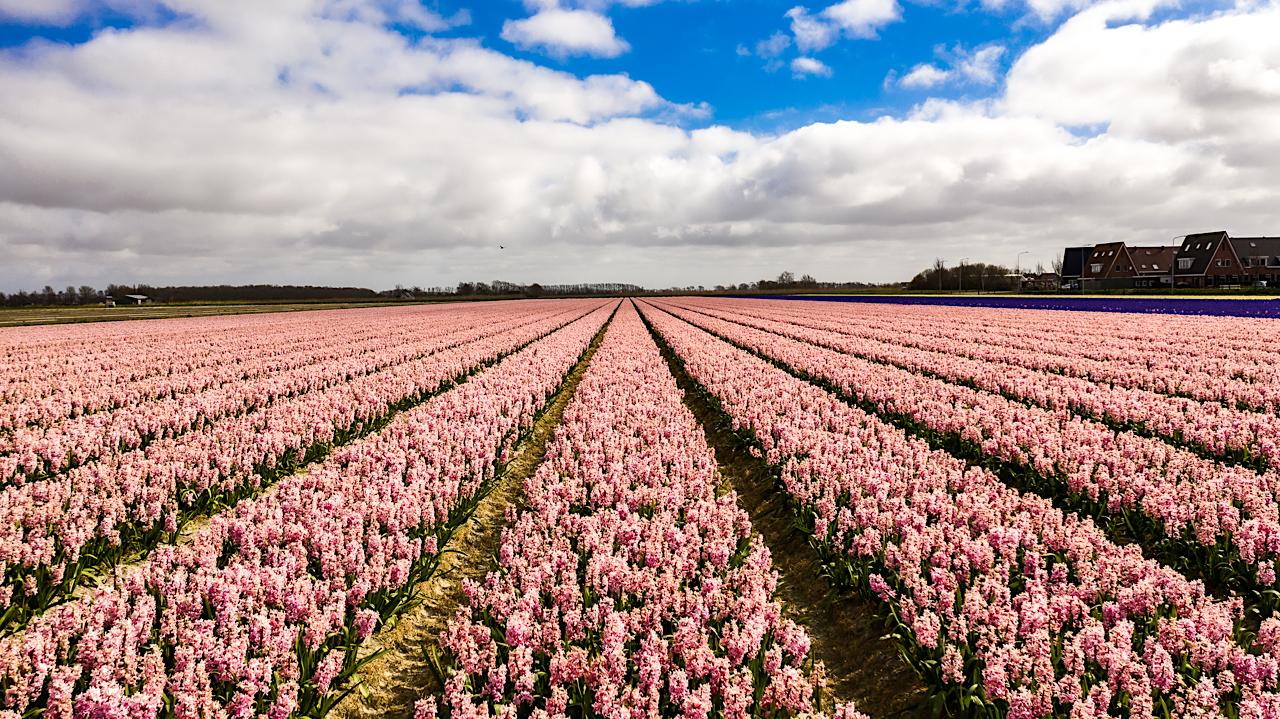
[(1017, 272), (941, 267), (962, 261)]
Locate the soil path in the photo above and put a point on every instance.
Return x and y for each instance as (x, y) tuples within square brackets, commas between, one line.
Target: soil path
[(845, 635), (397, 679)]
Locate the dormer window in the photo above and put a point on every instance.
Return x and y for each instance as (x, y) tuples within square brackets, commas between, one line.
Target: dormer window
[(1155, 267)]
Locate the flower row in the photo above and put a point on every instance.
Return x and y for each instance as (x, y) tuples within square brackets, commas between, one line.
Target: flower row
[(1210, 359), (264, 612), (48, 448), (1218, 522), (1003, 602), (54, 530), (89, 368), (626, 587)]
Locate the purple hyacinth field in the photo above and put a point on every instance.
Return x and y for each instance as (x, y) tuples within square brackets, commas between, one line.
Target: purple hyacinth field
[(693, 507)]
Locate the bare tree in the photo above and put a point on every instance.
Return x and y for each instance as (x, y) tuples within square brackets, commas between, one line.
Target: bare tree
[(786, 278), (1057, 265)]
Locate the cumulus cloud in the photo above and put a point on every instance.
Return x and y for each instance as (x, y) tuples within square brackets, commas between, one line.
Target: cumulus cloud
[(978, 67), (802, 67), (562, 33), (774, 46), (267, 144), (852, 18)]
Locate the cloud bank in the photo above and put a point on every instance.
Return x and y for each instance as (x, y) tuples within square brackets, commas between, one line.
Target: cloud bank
[(305, 142)]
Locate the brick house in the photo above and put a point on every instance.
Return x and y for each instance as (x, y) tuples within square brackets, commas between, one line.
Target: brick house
[(1259, 258), (1152, 265), (1108, 267)]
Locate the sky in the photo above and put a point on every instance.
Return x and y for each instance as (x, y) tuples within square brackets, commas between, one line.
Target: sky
[(658, 142)]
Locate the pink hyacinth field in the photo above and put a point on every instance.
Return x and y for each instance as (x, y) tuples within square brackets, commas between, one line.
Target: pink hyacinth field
[(660, 507)]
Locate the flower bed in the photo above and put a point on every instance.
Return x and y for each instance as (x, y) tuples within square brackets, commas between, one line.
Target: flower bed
[(1006, 605), (1218, 522), (53, 531), (264, 612), (627, 587)]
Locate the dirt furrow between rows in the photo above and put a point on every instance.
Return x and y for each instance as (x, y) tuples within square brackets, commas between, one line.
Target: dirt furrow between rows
[(862, 666), (393, 682)]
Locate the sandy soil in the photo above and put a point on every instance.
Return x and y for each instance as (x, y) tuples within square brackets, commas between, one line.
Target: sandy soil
[(394, 681)]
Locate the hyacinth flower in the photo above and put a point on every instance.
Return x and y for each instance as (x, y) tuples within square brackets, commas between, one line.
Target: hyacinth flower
[(132, 417), (1209, 428), (54, 532), (1216, 522), (263, 613), (1230, 360), (626, 586), (1006, 605)]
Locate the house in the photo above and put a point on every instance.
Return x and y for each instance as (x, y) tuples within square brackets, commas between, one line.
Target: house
[(1073, 266), (1152, 265), (1204, 259), (1042, 281), (1108, 267), (134, 300), (1259, 259)]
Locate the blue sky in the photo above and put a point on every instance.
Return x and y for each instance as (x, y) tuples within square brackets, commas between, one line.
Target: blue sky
[(378, 142), (688, 51)]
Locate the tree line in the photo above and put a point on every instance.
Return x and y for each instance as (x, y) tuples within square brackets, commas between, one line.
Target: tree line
[(975, 277)]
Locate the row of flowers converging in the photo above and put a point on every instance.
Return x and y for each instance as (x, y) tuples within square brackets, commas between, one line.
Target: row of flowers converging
[(1210, 428), (1214, 359), (83, 369), (54, 531), (1004, 601), (626, 587), (1177, 503), (263, 613), (131, 415)]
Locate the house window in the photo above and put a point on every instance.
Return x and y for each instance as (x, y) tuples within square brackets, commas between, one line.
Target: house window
[(1184, 263), (1095, 269), (1222, 263), (1156, 267)]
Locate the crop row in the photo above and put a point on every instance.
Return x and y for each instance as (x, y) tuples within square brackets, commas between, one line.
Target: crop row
[(90, 368), (1006, 605), (626, 587), (264, 612), (1209, 359), (45, 449), (1218, 522), (53, 531), (1208, 428)]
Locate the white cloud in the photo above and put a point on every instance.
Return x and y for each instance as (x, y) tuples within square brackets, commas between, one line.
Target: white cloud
[(263, 143), (853, 18), (861, 18), (978, 67), (54, 12), (924, 76), (562, 33), (774, 46), (802, 67)]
